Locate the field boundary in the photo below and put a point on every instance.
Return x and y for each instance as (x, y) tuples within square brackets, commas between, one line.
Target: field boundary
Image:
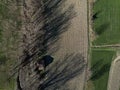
[(105, 46)]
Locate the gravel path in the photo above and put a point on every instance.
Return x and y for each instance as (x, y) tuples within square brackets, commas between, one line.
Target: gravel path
[(114, 76)]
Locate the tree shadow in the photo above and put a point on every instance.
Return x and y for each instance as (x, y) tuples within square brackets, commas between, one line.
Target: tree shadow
[(95, 15), (50, 20), (47, 60), (98, 70), (96, 75), (55, 21), (102, 28), (62, 71), (95, 66), (43, 63)]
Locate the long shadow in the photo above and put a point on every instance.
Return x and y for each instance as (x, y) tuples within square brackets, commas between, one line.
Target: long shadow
[(55, 21), (50, 20), (96, 75), (99, 69), (95, 66), (102, 28), (62, 71)]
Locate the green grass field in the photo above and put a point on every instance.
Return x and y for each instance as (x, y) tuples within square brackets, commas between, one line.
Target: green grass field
[(107, 23), (9, 25), (106, 20), (5, 84), (100, 65)]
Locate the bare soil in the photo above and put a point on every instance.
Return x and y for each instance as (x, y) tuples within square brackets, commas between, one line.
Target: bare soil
[(68, 71)]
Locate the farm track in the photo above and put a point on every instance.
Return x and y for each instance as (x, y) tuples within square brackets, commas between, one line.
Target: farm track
[(114, 79)]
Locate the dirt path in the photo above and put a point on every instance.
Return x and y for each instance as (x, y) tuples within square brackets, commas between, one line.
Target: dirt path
[(74, 41), (114, 76)]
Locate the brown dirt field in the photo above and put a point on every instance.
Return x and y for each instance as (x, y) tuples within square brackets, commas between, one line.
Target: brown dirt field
[(72, 44), (75, 40)]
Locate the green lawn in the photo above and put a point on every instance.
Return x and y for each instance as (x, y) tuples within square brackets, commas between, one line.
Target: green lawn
[(100, 65), (107, 23)]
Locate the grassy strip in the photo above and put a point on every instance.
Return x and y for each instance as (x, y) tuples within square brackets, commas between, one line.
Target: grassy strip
[(100, 65), (106, 22), (9, 27), (5, 84)]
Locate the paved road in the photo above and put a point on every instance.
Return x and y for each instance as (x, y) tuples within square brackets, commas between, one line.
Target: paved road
[(114, 78)]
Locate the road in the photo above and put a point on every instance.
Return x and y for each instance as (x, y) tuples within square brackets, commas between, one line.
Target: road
[(114, 76)]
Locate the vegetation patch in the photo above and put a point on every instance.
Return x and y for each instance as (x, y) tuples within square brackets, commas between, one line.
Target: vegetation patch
[(106, 18), (9, 27), (100, 66)]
